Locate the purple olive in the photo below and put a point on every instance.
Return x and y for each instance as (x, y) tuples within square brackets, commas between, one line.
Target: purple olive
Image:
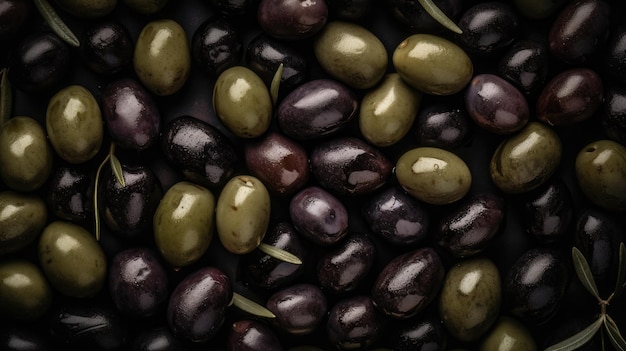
[(252, 335), (107, 47), (319, 216), (70, 193), (549, 212), (614, 114), (488, 27), (216, 45), (616, 56), (13, 16), (156, 339), (525, 64), (442, 126), (235, 8), (354, 323), (418, 334), (292, 19), (299, 308)]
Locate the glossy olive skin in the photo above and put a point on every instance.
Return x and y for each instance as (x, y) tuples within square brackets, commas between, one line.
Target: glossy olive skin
[(202, 152), (299, 308), (70, 193), (508, 335), (24, 217), (107, 47), (156, 339), (413, 16), (319, 216), (40, 62), (468, 229), (23, 339), (216, 45), (13, 16), (535, 284), (444, 126), (616, 55), (408, 283), (579, 30), (197, 306), (131, 115), (349, 166), (24, 292), (571, 97), (397, 217), (418, 334), (614, 114), (25, 165), (292, 20), (549, 212), (601, 174), (251, 335), (525, 64), (316, 108), (354, 323), (88, 9), (488, 28)]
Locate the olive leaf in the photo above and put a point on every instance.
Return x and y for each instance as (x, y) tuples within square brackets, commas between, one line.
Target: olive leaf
[(579, 339), (56, 23), (6, 98), (620, 285), (276, 83), (584, 272), (279, 254), (439, 16), (615, 336), (250, 306), (117, 169)]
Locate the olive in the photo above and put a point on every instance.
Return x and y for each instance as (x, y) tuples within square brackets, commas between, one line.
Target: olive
[(162, 59), (146, 7), (538, 9), (71, 259), (527, 159), (24, 292), (549, 212), (508, 335), (387, 111), (22, 218), (107, 47), (433, 175), (443, 126), (469, 302), (242, 102), (242, 214), (13, 16), (354, 323), (601, 174), (419, 57), (88, 8), (616, 55), (216, 45), (319, 216), (74, 124), (350, 10), (235, 8), (351, 54), (488, 28), (614, 114), (418, 334), (23, 339), (252, 335), (525, 64), (413, 16), (70, 193), (156, 339), (183, 223), (299, 308), (292, 20), (25, 154)]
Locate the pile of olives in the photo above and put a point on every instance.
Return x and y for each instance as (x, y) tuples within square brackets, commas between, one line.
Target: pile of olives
[(371, 178)]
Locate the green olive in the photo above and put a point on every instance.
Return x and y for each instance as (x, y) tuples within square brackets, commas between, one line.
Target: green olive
[(74, 124), (388, 111), (527, 159), (469, 302), (242, 102), (183, 223), (88, 8), (242, 214), (162, 59), (25, 155), (22, 218), (508, 335), (433, 175), (433, 64), (146, 7), (351, 54), (24, 292), (601, 174), (72, 259)]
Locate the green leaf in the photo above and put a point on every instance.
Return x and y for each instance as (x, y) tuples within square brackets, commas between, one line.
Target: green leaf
[(584, 272), (251, 307), (579, 339), (279, 254), (621, 271), (276, 84), (6, 98), (439, 16), (615, 336), (116, 167), (96, 202), (56, 23)]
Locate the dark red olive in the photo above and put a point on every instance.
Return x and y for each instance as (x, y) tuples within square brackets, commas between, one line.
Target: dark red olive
[(252, 335), (413, 16), (442, 126), (616, 55), (299, 308), (549, 212), (23, 339), (418, 334), (292, 19), (216, 45), (525, 64), (354, 323), (107, 47), (156, 339), (614, 114), (319, 216), (70, 193), (488, 27), (13, 16)]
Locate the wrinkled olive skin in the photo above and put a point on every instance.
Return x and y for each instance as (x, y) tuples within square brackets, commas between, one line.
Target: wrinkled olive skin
[(526, 65), (146, 7), (242, 102), (23, 339), (418, 58), (252, 335), (387, 111), (471, 227), (535, 285), (316, 108), (517, 170), (88, 8), (242, 214), (579, 30), (25, 165), (616, 55), (538, 9), (156, 339), (349, 166), (299, 308), (24, 292), (197, 306), (74, 124), (107, 47), (396, 217), (444, 126), (319, 216), (488, 28), (571, 97), (72, 259), (601, 174), (40, 62), (469, 302), (354, 323), (413, 16), (351, 53), (216, 45), (202, 152), (183, 223), (433, 175), (70, 193), (508, 335), (292, 20), (613, 118), (162, 58), (408, 283), (24, 217), (418, 334), (549, 212), (344, 267), (13, 16)]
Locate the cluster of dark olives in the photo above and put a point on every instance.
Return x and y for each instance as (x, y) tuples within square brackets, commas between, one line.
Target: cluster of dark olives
[(309, 175)]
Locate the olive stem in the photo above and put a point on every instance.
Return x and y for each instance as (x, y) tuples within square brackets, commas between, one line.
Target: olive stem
[(56, 23), (250, 306), (279, 254), (439, 15), (6, 98)]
